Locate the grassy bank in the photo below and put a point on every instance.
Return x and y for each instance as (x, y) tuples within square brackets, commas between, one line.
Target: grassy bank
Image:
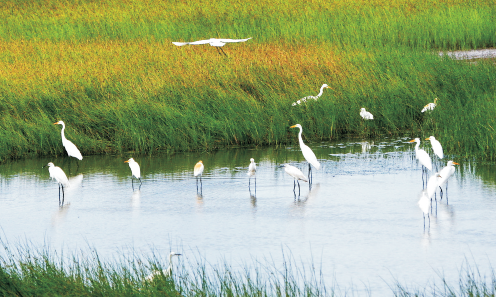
[(29, 271), (109, 71)]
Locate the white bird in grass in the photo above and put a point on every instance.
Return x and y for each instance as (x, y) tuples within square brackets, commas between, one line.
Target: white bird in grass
[(307, 153), (430, 106), (216, 42), (166, 272), (365, 114), (436, 147), (59, 175), (445, 174), (422, 155), (252, 170), (197, 172), (135, 170), (303, 100), (71, 149), (296, 174)]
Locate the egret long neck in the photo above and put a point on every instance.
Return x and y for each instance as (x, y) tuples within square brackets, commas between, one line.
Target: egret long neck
[(62, 132), (299, 137), (417, 146), (321, 91)]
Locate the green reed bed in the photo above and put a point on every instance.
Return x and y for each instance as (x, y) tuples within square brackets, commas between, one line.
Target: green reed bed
[(26, 270), (108, 69)]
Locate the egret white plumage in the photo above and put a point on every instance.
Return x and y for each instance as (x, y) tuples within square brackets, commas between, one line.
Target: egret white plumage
[(430, 106), (307, 153), (303, 100), (197, 172), (296, 174), (70, 148), (365, 114), (59, 175), (252, 169), (445, 174), (165, 272), (216, 42), (135, 170), (422, 155), (425, 205), (436, 146)]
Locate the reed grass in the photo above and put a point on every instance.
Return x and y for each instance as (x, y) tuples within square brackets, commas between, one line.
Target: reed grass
[(108, 69)]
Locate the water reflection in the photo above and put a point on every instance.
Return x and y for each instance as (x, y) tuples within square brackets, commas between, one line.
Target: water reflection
[(60, 214)]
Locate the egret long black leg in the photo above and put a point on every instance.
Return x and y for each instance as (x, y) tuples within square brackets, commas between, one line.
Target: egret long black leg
[(59, 194), (132, 182), (63, 195), (310, 173), (299, 191), (294, 185), (222, 51)]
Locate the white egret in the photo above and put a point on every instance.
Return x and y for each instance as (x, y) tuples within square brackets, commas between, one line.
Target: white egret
[(165, 272), (303, 100), (59, 175), (422, 155), (436, 147), (135, 171), (445, 174), (425, 205), (430, 106), (216, 42), (198, 171), (296, 174), (307, 153), (252, 170), (71, 149), (365, 114)]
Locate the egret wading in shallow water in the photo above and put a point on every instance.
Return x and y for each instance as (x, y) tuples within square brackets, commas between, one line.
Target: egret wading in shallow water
[(252, 170), (59, 175), (135, 171), (445, 174), (425, 205), (303, 100), (165, 272), (296, 174), (70, 148), (430, 106), (423, 157), (436, 147), (307, 154), (216, 42), (365, 114), (197, 172)]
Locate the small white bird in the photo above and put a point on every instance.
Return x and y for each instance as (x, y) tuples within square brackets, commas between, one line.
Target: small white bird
[(59, 175), (252, 170), (365, 114), (71, 149), (166, 272), (308, 154), (422, 155), (430, 106), (445, 174), (135, 170), (436, 147), (425, 205), (197, 172), (216, 42), (296, 174), (303, 100)]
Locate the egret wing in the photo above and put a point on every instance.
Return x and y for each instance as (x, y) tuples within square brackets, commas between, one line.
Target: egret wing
[(234, 40)]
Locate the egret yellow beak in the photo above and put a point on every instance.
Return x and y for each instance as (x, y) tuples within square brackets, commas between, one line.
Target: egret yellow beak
[(294, 126), (427, 138), (56, 123), (412, 140), (454, 163), (126, 161)]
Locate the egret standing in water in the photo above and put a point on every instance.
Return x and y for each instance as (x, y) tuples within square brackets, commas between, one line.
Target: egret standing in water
[(303, 100), (445, 174), (70, 148), (59, 175), (430, 106), (166, 272), (135, 171), (296, 174), (365, 114), (198, 171), (423, 157), (216, 42), (252, 170), (307, 154)]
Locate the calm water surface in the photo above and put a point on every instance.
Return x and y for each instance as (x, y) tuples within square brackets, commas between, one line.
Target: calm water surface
[(360, 221)]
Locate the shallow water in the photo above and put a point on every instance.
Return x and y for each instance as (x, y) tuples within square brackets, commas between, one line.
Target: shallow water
[(360, 221), (471, 54)]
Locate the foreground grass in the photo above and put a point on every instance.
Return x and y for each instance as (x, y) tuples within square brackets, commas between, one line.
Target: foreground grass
[(28, 271), (108, 70)]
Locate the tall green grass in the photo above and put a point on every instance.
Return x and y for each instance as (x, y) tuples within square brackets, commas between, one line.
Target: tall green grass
[(108, 69)]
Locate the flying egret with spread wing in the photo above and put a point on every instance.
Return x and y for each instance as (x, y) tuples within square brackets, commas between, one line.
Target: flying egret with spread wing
[(303, 100), (216, 42)]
